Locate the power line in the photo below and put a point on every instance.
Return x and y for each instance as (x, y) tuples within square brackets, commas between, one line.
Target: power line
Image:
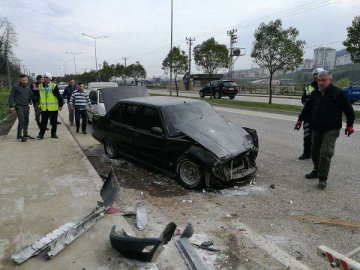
[(320, 45)]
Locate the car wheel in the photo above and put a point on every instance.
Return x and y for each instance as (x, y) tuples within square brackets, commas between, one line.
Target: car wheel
[(190, 174), (231, 97), (217, 95), (110, 148), (202, 94)]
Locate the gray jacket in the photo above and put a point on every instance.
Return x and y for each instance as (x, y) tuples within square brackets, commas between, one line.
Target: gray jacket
[(21, 95)]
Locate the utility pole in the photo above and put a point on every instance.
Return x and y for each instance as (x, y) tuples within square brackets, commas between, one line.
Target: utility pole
[(189, 41), (125, 58), (73, 54), (65, 61), (233, 39), (171, 47), (95, 38)]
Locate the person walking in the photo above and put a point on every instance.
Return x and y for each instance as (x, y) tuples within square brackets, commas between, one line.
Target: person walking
[(68, 91), (19, 100), (78, 101), (50, 102), (307, 121), (325, 107), (35, 89)]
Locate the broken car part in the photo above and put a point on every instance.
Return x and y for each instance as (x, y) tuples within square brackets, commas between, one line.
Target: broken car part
[(206, 248), (54, 242), (141, 219), (190, 256), (336, 259), (188, 232), (142, 249)]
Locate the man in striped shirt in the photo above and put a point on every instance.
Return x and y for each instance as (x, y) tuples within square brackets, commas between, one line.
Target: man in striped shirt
[(78, 101)]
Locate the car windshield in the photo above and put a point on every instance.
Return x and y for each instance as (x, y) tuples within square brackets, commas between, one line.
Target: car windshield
[(182, 113)]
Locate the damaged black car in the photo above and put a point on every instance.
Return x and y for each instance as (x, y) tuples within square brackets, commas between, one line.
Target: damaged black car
[(184, 138)]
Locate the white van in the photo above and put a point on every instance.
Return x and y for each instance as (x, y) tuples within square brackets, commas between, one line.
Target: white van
[(98, 85)]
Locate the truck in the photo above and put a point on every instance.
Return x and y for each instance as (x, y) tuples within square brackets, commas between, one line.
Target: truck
[(353, 92)]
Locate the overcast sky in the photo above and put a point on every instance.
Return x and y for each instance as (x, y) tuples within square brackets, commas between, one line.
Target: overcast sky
[(140, 29)]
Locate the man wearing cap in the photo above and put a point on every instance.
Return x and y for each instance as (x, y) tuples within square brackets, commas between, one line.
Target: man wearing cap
[(35, 89), (325, 107), (307, 122), (50, 102)]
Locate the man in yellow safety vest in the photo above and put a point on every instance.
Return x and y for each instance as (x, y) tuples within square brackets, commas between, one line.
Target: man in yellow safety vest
[(50, 102)]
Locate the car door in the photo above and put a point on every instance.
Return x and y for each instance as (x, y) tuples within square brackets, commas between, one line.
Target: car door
[(93, 100)]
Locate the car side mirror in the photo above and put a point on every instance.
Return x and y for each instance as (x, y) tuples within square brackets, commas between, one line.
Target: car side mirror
[(156, 130)]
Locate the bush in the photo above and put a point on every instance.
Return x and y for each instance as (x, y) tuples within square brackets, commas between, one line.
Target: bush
[(4, 103), (344, 82)]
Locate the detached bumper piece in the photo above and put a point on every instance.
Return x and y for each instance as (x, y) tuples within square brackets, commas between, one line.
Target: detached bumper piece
[(54, 242), (142, 249)]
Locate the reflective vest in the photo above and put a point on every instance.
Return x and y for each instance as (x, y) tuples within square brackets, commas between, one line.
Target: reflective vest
[(309, 89), (48, 101)]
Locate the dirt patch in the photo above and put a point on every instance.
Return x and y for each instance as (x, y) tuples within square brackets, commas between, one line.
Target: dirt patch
[(6, 125)]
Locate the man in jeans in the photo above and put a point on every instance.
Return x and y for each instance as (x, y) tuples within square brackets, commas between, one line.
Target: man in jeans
[(35, 89), (68, 91), (19, 100), (78, 101), (325, 106)]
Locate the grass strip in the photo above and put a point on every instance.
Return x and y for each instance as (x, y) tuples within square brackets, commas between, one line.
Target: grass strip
[(4, 104)]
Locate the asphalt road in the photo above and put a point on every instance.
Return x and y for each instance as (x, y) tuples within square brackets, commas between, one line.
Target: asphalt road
[(286, 101)]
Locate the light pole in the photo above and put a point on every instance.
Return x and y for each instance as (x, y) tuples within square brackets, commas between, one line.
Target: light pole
[(64, 61), (125, 58), (59, 66), (73, 54), (171, 47), (95, 38)]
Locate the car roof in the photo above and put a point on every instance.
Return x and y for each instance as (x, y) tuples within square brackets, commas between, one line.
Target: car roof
[(160, 101)]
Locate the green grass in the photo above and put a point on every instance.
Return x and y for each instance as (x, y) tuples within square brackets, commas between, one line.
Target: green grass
[(258, 105), (4, 105)]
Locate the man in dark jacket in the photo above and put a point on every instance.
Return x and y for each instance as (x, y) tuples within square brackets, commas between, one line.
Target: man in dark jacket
[(307, 120), (325, 106), (35, 89), (19, 100), (68, 91)]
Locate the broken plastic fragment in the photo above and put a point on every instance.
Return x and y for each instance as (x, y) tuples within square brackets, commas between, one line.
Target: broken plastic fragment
[(141, 219)]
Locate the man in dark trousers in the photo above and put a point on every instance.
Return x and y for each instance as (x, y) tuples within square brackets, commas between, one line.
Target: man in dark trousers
[(78, 101), (326, 106), (35, 89), (19, 100), (50, 102), (68, 91), (307, 121)]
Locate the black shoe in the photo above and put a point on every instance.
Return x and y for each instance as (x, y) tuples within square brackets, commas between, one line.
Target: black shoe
[(322, 184), (311, 175), (28, 137), (39, 137), (77, 130), (303, 157), (84, 132), (21, 139), (58, 122), (47, 128), (54, 136)]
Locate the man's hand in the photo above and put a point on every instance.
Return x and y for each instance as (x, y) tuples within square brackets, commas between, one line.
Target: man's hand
[(71, 108), (64, 100), (12, 110), (60, 108), (297, 125), (349, 131)]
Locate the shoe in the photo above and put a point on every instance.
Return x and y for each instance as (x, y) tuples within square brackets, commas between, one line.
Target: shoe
[(58, 122), (71, 124), (54, 137), (21, 139), (84, 132), (311, 175), (28, 137), (303, 157), (322, 184), (77, 130), (39, 137), (47, 128)]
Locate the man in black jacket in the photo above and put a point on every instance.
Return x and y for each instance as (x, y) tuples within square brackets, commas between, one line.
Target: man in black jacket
[(326, 106), (307, 120), (35, 89), (68, 91)]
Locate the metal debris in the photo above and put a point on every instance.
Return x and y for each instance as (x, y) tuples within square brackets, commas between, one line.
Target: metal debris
[(141, 219), (189, 255)]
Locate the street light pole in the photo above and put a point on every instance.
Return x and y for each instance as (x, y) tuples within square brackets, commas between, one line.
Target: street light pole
[(171, 47), (95, 38), (73, 54), (125, 58), (64, 61)]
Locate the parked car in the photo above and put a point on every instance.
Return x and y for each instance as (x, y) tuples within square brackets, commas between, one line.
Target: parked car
[(116, 94), (353, 91), (220, 88), (61, 88), (183, 138)]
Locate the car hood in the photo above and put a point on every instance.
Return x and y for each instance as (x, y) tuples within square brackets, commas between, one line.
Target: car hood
[(222, 138), (113, 95)]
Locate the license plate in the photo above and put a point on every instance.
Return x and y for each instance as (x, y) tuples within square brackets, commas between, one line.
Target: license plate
[(231, 88)]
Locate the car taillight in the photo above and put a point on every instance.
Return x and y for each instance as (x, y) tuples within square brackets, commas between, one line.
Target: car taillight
[(224, 89)]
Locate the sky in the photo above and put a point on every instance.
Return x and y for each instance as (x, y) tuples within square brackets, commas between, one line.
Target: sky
[(140, 29)]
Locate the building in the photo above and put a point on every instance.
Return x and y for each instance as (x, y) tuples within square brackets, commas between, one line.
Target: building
[(343, 60), (324, 57)]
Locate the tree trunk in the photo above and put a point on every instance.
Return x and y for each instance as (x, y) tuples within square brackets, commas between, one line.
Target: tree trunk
[(8, 71), (270, 88), (176, 86), (211, 92)]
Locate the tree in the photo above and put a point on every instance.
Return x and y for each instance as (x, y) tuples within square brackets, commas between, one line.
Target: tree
[(107, 72), (277, 49), (179, 63), (352, 43), (136, 71), (211, 56), (120, 71)]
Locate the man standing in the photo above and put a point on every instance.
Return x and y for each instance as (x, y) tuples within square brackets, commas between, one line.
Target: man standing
[(307, 120), (35, 89), (68, 91), (325, 107), (19, 100), (50, 102), (78, 100)]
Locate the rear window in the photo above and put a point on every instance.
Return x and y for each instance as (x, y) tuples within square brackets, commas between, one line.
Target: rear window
[(230, 84)]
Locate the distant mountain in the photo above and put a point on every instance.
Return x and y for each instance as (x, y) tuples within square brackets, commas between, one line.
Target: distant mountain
[(340, 53)]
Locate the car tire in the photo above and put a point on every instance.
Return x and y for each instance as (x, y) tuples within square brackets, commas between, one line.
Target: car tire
[(110, 148), (231, 97), (217, 95), (189, 173), (201, 94)]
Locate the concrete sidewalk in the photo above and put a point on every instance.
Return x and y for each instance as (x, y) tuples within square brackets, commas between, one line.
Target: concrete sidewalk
[(43, 185)]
